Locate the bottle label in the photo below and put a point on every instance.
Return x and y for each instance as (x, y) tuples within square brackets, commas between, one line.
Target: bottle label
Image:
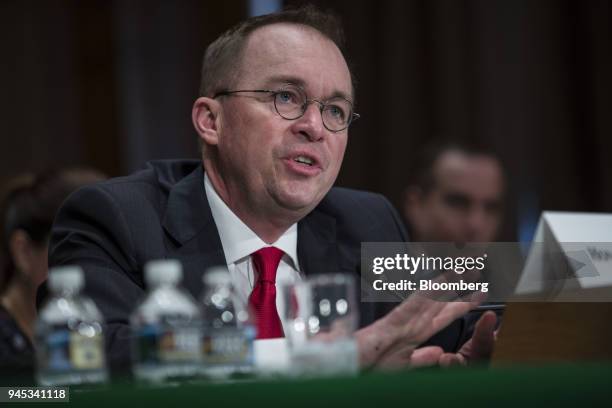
[(228, 346), (159, 344), (67, 350), (57, 347), (180, 345), (86, 352)]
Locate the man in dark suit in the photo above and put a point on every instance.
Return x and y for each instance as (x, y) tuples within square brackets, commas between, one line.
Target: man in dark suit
[(273, 117)]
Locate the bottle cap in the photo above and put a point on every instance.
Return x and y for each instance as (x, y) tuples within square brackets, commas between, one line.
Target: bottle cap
[(217, 276), (69, 277), (163, 271)]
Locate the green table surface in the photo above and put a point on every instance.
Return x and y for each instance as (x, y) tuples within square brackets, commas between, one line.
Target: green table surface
[(576, 385)]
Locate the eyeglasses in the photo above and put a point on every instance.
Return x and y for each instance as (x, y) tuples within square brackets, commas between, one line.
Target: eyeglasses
[(291, 103)]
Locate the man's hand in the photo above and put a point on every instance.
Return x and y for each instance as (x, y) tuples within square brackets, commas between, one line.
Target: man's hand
[(392, 340), (411, 357), (479, 347)]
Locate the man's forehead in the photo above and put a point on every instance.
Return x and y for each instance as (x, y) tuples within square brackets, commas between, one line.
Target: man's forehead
[(287, 52), (482, 171), (277, 34), (459, 162)]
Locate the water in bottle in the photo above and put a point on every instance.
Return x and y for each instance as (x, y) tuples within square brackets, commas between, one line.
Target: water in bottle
[(166, 327), (69, 335)]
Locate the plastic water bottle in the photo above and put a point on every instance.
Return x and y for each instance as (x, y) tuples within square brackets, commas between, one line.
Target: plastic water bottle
[(166, 327), (228, 332), (69, 334)]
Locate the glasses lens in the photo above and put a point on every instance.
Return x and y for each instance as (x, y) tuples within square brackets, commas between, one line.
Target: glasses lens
[(337, 114), (289, 102)]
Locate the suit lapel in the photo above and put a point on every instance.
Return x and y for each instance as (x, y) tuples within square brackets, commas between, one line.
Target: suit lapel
[(317, 246), (188, 220), (187, 210)]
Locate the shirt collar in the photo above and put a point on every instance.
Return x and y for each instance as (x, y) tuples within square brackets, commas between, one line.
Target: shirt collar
[(237, 239)]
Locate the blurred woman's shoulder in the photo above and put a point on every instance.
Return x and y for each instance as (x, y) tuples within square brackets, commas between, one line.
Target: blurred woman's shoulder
[(16, 350)]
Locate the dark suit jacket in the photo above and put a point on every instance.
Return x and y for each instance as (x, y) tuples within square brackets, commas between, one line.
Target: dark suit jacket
[(113, 228)]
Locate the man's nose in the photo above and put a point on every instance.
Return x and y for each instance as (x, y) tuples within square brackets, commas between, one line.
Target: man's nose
[(476, 222), (311, 123)]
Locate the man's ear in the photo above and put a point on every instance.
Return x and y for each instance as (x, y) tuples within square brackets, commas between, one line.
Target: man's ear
[(206, 119)]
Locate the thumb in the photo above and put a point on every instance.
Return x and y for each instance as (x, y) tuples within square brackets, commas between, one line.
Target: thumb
[(452, 359), (426, 356), (483, 338)]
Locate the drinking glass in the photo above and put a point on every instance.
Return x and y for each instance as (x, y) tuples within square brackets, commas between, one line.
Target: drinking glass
[(320, 316)]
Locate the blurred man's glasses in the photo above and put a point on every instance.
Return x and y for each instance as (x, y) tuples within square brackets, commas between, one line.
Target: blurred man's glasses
[(291, 103)]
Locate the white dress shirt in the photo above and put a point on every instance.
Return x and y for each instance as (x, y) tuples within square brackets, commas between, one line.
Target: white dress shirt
[(239, 242)]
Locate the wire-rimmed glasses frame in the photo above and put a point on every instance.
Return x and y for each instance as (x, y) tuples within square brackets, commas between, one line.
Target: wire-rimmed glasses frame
[(291, 102)]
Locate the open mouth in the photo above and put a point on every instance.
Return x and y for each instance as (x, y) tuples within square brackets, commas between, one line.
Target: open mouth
[(303, 163), (304, 160)]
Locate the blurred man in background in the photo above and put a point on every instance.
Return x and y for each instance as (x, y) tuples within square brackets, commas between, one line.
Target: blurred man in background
[(455, 194)]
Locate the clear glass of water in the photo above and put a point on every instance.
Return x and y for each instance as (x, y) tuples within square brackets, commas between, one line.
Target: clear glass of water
[(320, 315)]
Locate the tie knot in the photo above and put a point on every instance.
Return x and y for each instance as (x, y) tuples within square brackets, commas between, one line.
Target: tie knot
[(266, 262)]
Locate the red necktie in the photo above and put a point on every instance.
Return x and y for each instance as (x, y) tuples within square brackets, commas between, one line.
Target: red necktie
[(263, 296)]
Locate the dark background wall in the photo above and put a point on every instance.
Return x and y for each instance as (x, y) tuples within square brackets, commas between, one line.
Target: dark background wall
[(110, 84), (101, 83)]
